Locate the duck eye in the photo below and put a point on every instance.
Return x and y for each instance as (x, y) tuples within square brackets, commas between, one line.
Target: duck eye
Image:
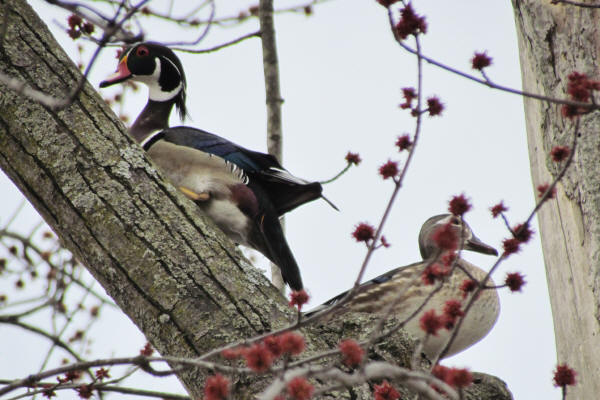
[(142, 51)]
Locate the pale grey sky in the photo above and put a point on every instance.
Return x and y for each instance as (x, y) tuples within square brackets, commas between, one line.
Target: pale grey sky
[(341, 75)]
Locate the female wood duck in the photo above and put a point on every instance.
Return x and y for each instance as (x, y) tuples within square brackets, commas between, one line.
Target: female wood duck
[(405, 286), (243, 191)]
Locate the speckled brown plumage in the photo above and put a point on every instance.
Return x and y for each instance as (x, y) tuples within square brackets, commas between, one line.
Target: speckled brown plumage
[(405, 289)]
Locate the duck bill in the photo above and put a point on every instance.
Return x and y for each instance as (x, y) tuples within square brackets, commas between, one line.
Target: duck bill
[(474, 244), (121, 75)]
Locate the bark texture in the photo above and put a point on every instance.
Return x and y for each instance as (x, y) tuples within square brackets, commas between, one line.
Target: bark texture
[(180, 281), (555, 40)]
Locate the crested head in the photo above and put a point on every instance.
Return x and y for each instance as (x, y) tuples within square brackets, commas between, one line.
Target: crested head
[(157, 67), (428, 246)]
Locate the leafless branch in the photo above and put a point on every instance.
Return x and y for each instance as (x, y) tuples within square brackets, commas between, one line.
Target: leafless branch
[(486, 81), (141, 392), (220, 46), (54, 339), (398, 184), (417, 381), (100, 20), (102, 388), (204, 31), (142, 361), (338, 175)]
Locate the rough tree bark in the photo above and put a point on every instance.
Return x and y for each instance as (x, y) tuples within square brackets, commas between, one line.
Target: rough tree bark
[(180, 281), (555, 40)]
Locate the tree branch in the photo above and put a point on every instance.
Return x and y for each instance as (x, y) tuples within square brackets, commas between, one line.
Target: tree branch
[(273, 99)]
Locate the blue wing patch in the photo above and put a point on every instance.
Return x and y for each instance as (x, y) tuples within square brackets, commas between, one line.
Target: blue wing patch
[(248, 160)]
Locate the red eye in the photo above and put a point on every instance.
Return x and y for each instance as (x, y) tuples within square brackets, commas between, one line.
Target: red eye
[(142, 51)]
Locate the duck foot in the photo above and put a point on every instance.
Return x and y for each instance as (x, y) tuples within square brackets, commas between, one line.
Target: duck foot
[(202, 196)]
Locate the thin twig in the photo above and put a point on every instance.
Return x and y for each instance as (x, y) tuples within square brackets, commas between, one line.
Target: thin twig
[(416, 380), (486, 82), (204, 31), (342, 172), (40, 332), (142, 361), (95, 17), (220, 46)]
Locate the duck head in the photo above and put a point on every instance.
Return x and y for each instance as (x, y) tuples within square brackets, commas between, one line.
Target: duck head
[(428, 247), (157, 67)]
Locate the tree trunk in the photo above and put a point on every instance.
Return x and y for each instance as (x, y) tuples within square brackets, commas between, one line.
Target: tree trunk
[(555, 40), (181, 281)]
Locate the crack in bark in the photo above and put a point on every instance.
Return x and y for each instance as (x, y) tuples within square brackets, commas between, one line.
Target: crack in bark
[(204, 291), (567, 255), (231, 299), (550, 40), (256, 311), (157, 306)]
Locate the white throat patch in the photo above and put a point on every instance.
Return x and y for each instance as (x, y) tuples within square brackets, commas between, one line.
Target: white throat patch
[(155, 91)]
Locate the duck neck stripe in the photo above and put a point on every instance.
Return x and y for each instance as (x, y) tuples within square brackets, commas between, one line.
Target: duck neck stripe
[(151, 139)]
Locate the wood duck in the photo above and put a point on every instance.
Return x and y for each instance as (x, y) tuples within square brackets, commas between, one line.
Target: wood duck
[(244, 192), (405, 286)]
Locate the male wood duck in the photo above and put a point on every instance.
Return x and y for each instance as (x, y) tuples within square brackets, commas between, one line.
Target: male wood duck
[(244, 192), (405, 286)]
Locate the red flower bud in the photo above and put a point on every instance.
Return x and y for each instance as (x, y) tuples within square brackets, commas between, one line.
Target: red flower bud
[(514, 281), (564, 375), (459, 205), (430, 322), (363, 232), (352, 353), (216, 387), (480, 61), (298, 298)]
